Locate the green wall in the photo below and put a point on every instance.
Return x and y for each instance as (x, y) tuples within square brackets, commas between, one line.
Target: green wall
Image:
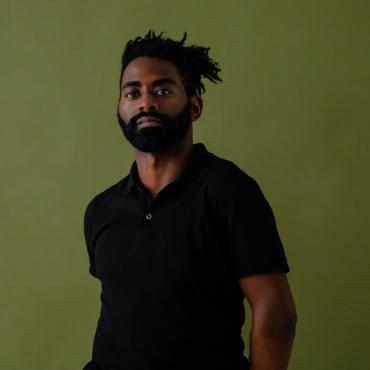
[(293, 112)]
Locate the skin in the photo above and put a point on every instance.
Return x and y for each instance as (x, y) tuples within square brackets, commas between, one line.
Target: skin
[(274, 320), (273, 309), (157, 170)]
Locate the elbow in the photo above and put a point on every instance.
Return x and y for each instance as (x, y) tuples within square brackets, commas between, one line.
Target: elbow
[(288, 320), (282, 325), (290, 323)]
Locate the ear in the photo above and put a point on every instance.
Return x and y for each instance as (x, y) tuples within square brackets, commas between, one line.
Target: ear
[(196, 107)]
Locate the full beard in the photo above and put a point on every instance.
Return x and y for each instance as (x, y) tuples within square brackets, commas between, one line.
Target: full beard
[(171, 131)]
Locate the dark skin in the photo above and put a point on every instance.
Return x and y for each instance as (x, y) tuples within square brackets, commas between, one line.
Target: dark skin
[(141, 91), (150, 83), (274, 320)]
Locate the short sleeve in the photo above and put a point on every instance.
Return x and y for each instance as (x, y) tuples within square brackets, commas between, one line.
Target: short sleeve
[(252, 233), (88, 232)]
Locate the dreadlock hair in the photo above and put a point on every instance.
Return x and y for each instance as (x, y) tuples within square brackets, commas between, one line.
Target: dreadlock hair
[(192, 62)]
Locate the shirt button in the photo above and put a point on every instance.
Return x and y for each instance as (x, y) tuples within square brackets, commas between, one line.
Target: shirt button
[(148, 216)]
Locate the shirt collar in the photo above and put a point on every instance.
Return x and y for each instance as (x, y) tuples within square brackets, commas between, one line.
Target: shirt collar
[(197, 155)]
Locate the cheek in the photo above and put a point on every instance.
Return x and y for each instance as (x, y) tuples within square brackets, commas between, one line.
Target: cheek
[(124, 111)]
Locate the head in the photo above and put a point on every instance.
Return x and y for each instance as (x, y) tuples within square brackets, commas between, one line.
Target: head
[(161, 90)]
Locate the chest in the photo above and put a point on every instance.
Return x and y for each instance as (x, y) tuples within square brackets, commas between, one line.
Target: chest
[(166, 242)]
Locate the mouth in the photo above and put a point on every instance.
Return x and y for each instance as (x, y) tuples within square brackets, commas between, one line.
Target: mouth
[(148, 122)]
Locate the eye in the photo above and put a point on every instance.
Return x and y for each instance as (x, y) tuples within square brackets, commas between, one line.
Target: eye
[(132, 94), (162, 91)]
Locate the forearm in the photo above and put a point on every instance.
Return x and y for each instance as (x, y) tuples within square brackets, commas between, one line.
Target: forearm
[(271, 343)]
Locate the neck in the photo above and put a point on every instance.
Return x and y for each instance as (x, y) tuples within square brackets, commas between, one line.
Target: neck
[(157, 170)]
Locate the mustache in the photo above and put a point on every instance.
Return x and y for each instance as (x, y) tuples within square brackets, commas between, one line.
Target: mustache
[(164, 118)]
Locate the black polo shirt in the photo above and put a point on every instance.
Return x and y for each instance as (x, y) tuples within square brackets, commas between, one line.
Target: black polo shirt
[(169, 267)]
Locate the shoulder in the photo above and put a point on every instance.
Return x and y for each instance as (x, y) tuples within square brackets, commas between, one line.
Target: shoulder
[(225, 178), (108, 196)]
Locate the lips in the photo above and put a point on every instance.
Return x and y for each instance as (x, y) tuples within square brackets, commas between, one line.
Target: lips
[(148, 121)]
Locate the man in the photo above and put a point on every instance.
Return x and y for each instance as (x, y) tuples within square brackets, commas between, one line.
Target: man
[(185, 237)]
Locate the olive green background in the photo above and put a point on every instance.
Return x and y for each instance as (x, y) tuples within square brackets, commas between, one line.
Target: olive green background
[(293, 112)]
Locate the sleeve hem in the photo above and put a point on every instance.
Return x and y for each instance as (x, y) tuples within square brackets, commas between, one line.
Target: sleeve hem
[(262, 269)]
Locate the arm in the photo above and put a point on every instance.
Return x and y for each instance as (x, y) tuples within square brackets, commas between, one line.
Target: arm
[(273, 320)]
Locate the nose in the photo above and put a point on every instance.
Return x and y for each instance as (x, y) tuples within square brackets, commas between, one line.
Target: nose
[(147, 103)]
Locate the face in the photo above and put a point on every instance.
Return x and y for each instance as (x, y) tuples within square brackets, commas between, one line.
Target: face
[(154, 110)]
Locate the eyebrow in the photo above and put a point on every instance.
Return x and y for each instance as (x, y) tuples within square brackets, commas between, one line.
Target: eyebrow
[(155, 83)]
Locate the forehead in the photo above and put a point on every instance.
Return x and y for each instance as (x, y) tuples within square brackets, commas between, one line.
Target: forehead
[(146, 69)]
